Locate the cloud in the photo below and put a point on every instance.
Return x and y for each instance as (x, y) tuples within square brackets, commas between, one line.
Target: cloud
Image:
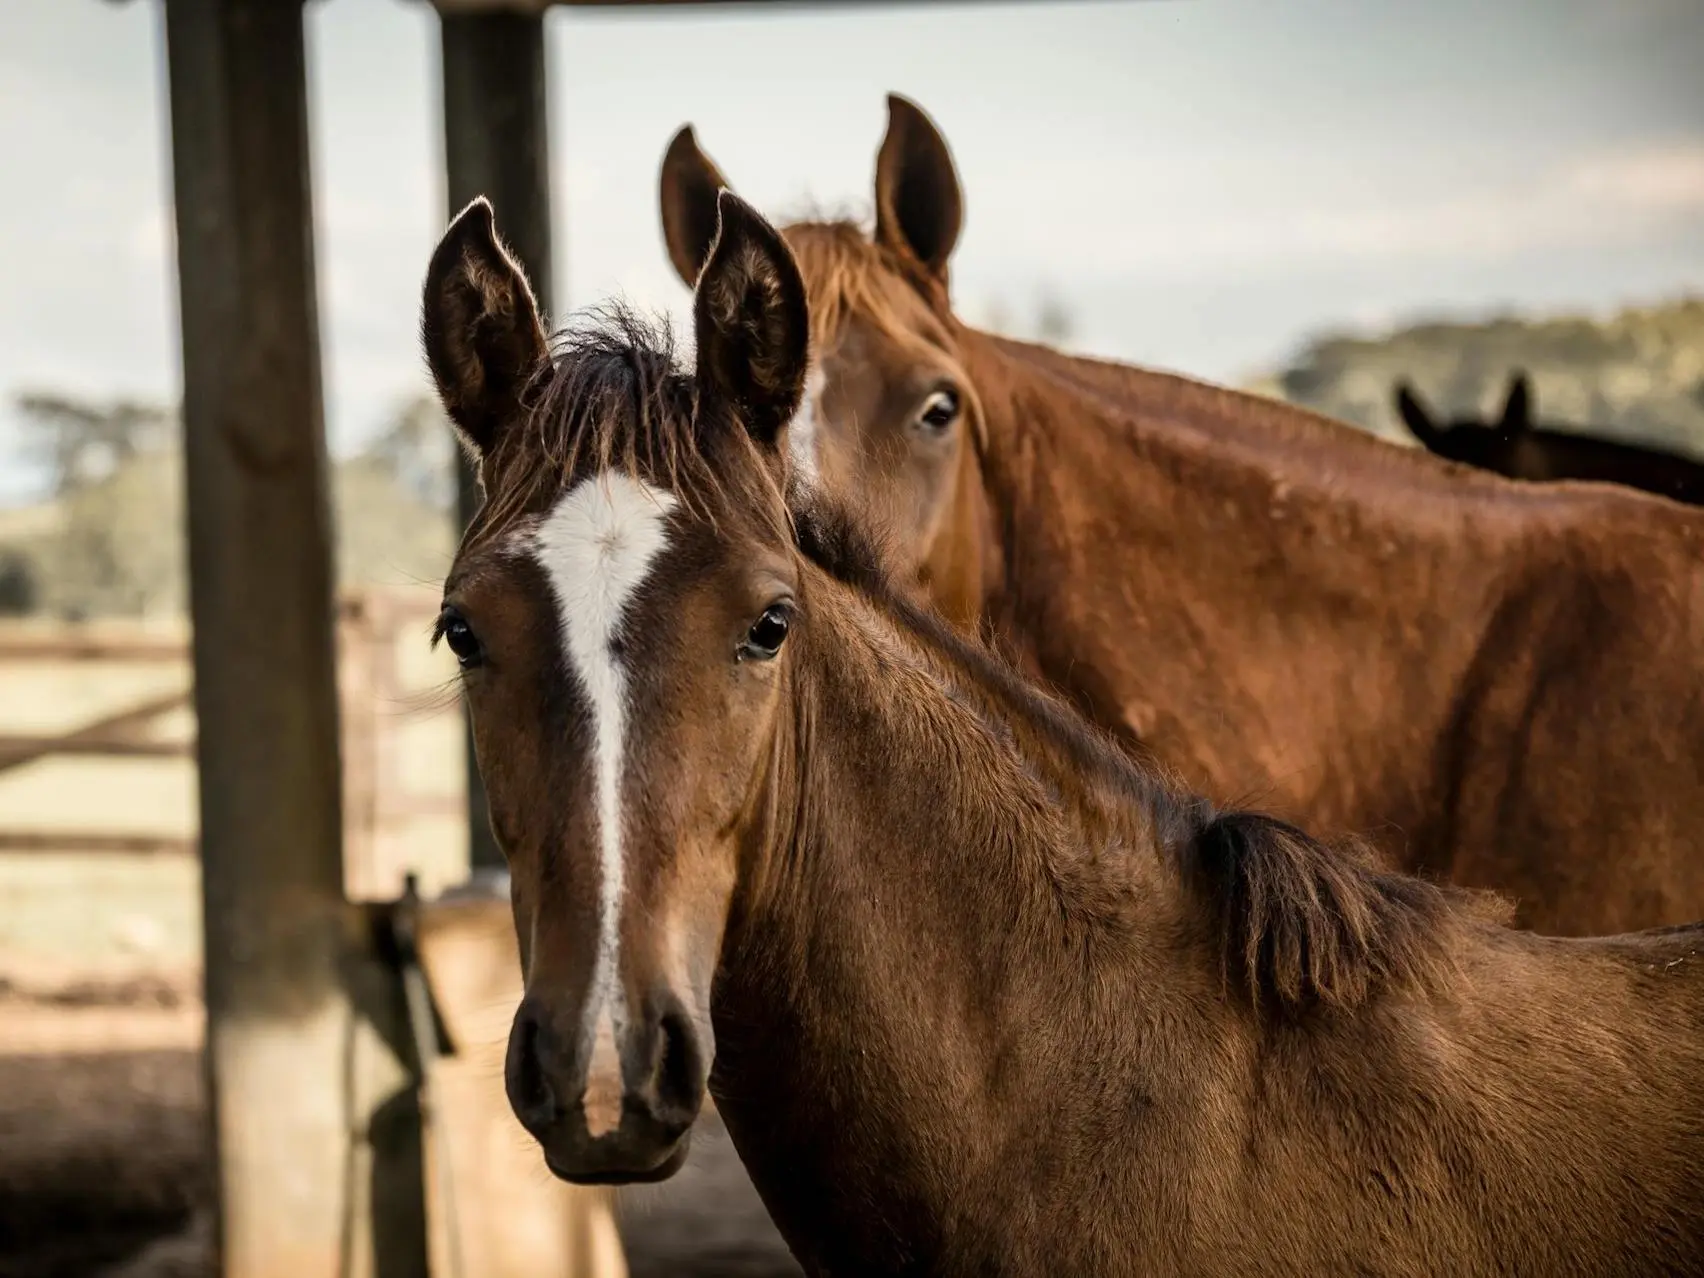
[(1596, 202), (1590, 203), (1659, 180)]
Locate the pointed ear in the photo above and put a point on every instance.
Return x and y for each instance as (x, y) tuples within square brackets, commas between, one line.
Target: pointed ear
[(688, 186), (751, 322), (480, 327), (919, 210), (1414, 414), (1517, 408)]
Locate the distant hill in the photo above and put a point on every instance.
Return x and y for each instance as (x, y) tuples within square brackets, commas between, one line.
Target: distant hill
[(1637, 376)]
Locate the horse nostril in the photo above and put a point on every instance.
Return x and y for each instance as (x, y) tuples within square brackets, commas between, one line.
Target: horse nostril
[(679, 1074), (530, 1093)]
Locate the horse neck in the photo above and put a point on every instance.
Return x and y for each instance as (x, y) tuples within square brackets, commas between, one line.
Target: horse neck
[(941, 907), (915, 757), (1078, 447), (1152, 529)]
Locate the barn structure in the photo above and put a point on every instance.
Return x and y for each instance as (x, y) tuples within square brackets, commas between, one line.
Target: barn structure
[(312, 1068)]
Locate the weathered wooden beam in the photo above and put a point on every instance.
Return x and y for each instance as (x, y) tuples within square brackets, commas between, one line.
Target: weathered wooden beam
[(539, 6), (17, 749), (96, 841), (26, 646), (309, 1098), (497, 144), (114, 734)]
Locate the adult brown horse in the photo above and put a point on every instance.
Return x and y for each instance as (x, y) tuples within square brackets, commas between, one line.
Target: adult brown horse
[(1500, 685), (983, 995), (1513, 446)]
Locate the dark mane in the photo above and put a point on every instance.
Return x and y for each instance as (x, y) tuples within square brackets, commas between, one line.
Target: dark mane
[(612, 395), (1302, 922), (1299, 922)]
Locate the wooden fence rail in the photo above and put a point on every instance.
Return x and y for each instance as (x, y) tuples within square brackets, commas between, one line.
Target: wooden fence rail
[(375, 706)]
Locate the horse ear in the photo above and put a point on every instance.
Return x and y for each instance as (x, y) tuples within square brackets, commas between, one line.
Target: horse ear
[(751, 322), (1517, 408), (1414, 414), (688, 186), (919, 209), (480, 327)]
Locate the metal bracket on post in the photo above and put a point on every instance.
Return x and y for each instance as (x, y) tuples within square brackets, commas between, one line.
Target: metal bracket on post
[(431, 1040)]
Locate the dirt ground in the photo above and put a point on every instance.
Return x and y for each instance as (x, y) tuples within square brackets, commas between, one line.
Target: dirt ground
[(103, 1173)]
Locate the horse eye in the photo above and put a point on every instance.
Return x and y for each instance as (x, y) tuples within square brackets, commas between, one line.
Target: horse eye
[(940, 410), (766, 635), (458, 635)]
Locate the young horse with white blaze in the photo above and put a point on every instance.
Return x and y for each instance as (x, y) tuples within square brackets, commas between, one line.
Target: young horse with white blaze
[(980, 994)]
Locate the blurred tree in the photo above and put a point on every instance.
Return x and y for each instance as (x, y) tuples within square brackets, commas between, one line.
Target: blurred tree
[(19, 593), (111, 539), (1637, 375), (83, 443), (417, 448), (114, 474)]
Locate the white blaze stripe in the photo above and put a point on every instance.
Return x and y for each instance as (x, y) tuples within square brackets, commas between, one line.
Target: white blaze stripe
[(597, 547), (802, 432)]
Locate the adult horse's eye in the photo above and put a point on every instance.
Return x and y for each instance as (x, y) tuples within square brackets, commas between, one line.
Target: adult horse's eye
[(459, 637), (766, 635), (940, 410)]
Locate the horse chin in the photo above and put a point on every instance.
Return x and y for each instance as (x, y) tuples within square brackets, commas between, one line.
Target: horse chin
[(672, 1161)]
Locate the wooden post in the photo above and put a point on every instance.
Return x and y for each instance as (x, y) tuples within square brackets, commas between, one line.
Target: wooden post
[(307, 1092), (496, 144)]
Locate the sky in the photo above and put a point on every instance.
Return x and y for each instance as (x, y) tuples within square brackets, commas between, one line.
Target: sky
[(1202, 183)]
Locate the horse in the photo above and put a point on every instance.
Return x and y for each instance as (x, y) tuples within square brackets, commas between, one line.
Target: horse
[(1515, 448), (1498, 684), (975, 991)]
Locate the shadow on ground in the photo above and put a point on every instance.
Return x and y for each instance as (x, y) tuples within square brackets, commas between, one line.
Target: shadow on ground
[(103, 1174)]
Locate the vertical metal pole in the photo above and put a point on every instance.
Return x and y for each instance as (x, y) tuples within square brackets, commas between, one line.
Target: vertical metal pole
[(295, 1071), (496, 144)]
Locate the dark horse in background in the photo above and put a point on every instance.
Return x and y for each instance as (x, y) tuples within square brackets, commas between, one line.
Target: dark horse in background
[(1501, 684), (1514, 447)]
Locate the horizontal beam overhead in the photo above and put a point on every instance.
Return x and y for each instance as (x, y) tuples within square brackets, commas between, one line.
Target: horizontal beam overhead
[(539, 6)]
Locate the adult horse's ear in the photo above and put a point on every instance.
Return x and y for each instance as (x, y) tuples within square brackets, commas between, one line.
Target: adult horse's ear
[(480, 327), (1517, 408), (1414, 414), (919, 209), (751, 322), (688, 187)]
